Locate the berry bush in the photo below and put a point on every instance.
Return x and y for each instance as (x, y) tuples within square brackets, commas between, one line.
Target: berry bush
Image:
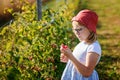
[(29, 49)]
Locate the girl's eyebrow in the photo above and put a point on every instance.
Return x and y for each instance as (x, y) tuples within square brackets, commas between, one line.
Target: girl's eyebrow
[(79, 28)]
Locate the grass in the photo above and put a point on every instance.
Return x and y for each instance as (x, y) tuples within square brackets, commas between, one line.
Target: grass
[(109, 37)]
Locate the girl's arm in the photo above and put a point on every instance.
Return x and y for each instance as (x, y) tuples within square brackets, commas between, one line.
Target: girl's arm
[(87, 69)]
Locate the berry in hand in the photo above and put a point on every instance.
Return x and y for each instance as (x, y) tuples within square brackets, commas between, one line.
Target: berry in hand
[(64, 46)]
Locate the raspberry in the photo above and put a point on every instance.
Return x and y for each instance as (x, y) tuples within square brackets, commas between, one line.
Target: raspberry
[(64, 46)]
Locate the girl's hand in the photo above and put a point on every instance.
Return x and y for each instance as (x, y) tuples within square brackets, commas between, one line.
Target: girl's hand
[(65, 50), (63, 58)]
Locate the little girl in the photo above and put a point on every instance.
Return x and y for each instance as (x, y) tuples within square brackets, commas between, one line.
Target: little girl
[(86, 55)]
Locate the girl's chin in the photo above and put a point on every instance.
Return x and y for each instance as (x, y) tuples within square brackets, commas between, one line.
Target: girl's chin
[(80, 39)]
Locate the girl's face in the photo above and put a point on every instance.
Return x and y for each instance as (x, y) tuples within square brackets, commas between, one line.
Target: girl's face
[(80, 31)]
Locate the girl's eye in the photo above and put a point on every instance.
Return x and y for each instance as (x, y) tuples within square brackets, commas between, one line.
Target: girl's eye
[(78, 30)]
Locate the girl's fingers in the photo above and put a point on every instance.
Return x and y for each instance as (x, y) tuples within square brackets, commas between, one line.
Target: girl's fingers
[(63, 58), (63, 47)]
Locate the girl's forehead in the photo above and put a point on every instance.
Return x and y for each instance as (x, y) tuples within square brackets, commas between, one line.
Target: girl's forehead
[(77, 24)]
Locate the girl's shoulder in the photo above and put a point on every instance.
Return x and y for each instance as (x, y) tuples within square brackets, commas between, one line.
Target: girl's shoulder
[(94, 47), (96, 43)]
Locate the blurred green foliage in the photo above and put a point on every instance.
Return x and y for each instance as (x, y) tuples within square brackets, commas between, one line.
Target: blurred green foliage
[(29, 49)]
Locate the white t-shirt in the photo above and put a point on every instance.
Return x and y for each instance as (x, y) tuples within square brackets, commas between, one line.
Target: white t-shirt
[(80, 52), (82, 49)]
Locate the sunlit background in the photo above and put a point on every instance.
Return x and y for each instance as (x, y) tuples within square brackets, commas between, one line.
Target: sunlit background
[(29, 49)]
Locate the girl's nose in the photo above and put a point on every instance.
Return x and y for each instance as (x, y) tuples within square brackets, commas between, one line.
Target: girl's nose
[(77, 32)]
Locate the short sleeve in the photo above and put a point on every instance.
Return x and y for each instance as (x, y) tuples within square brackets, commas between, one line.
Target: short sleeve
[(94, 47)]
